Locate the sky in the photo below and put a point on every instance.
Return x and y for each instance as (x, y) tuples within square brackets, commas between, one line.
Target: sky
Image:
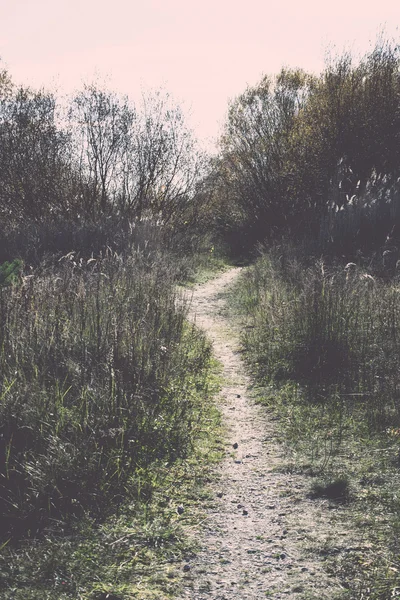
[(204, 52)]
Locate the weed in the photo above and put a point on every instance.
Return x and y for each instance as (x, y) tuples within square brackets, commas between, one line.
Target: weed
[(137, 550)]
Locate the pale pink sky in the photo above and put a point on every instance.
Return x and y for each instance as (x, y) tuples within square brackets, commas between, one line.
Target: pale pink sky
[(203, 52)]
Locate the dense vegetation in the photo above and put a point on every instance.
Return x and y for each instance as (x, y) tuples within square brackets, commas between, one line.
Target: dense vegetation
[(104, 207), (322, 344), (316, 158), (105, 387), (313, 167), (81, 174), (98, 359)]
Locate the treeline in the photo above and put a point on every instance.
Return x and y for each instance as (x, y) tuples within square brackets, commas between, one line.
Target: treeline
[(316, 157), (311, 157), (95, 166)]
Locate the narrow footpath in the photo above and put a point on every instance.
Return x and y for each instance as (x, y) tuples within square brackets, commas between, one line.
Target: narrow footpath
[(263, 537)]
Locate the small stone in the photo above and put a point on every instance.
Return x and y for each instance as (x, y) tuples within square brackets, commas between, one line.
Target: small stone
[(245, 512), (238, 462), (235, 445), (180, 510), (220, 494), (282, 555), (238, 396)]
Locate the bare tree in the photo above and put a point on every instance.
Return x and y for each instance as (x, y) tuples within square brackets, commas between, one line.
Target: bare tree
[(163, 163), (138, 161), (102, 123)]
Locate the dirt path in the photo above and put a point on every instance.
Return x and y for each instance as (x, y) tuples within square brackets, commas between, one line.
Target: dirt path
[(263, 537)]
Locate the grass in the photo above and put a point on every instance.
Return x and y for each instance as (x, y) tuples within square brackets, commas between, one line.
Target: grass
[(322, 345), (107, 426), (139, 552)]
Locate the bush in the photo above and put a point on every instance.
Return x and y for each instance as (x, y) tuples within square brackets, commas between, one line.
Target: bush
[(323, 343)]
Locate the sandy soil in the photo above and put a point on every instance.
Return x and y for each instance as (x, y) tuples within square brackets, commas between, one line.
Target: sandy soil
[(263, 536)]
